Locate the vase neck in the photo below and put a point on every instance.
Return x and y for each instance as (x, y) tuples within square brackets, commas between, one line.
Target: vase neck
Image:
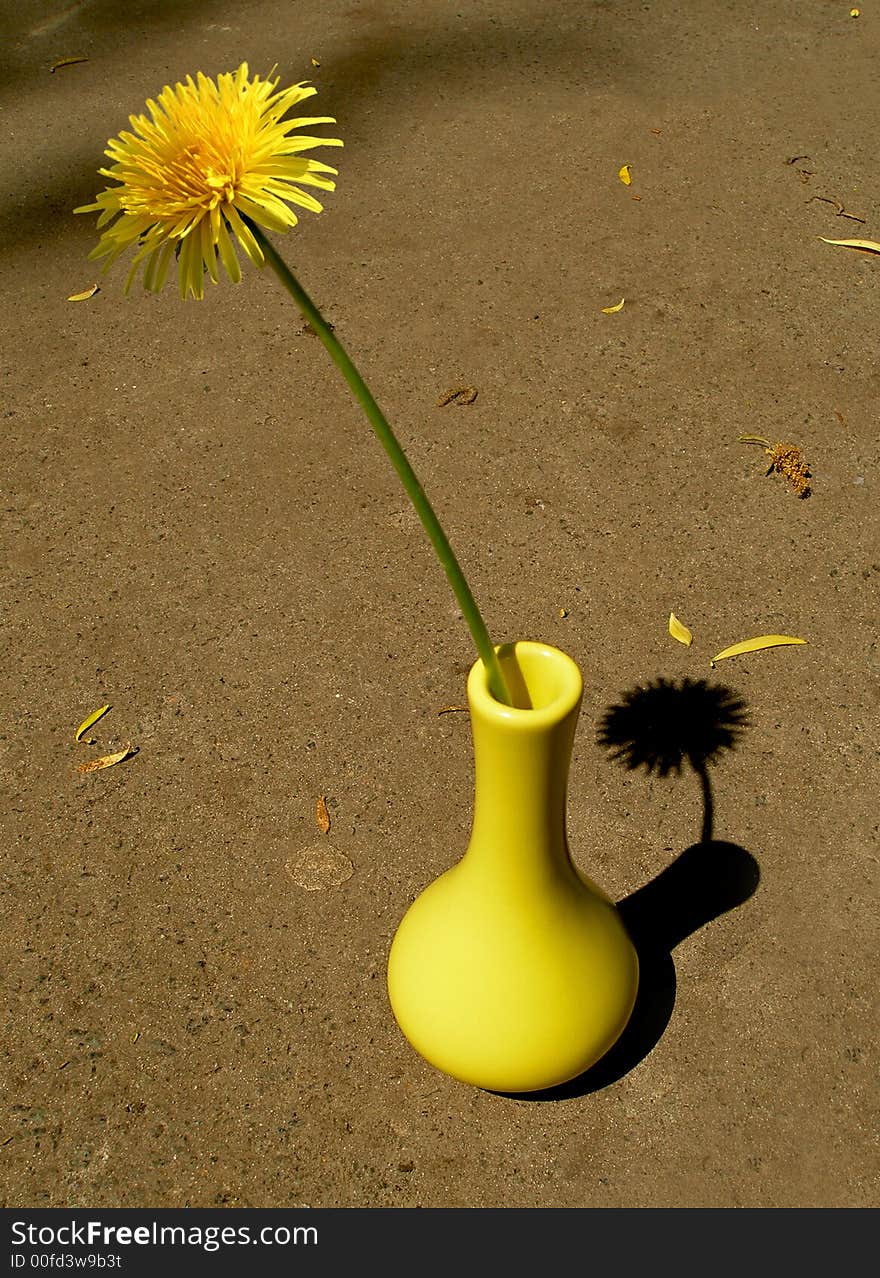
[(520, 786)]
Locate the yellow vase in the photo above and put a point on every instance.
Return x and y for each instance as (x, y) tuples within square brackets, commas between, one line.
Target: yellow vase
[(513, 971)]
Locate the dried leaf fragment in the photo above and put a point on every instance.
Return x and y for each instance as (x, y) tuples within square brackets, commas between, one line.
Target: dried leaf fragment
[(66, 62), (786, 460), (90, 721), (84, 295), (839, 210), (680, 631), (755, 645), (867, 246), (612, 310), (625, 174), (108, 760), (461, 395), (322, 816)]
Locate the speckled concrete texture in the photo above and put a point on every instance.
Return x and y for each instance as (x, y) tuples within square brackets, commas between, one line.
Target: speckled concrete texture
[(199, 529)]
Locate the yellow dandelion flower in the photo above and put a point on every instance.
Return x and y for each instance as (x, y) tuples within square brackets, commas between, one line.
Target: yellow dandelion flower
[(209, 159)]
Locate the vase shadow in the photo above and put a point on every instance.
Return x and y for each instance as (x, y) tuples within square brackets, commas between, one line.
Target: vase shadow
[(659, 728)]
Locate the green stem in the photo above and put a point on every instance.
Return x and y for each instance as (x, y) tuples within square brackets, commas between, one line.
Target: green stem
[(400, 462)]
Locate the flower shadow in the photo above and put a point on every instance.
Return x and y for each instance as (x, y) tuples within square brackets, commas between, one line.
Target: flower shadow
[(660, 727)]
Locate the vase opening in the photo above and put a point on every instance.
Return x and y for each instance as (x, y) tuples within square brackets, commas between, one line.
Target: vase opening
[(541, 680)]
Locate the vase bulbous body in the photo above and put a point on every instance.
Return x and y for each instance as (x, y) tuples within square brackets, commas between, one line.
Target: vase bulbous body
[(513, 971)]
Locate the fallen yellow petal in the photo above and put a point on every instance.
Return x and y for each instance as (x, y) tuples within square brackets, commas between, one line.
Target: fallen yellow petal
[(610, 310), (85, 295), (869, 246), (679, 631), (625, 174), (66, 62), (107, 760), (755, 645), (93, 718)]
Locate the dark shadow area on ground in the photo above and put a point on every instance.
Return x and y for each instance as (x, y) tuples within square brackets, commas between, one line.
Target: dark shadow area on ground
[(60, 31), (661, 727), (387, 62)]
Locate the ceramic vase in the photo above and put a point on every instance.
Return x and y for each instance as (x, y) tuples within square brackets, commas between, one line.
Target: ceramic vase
[(513, 971)]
